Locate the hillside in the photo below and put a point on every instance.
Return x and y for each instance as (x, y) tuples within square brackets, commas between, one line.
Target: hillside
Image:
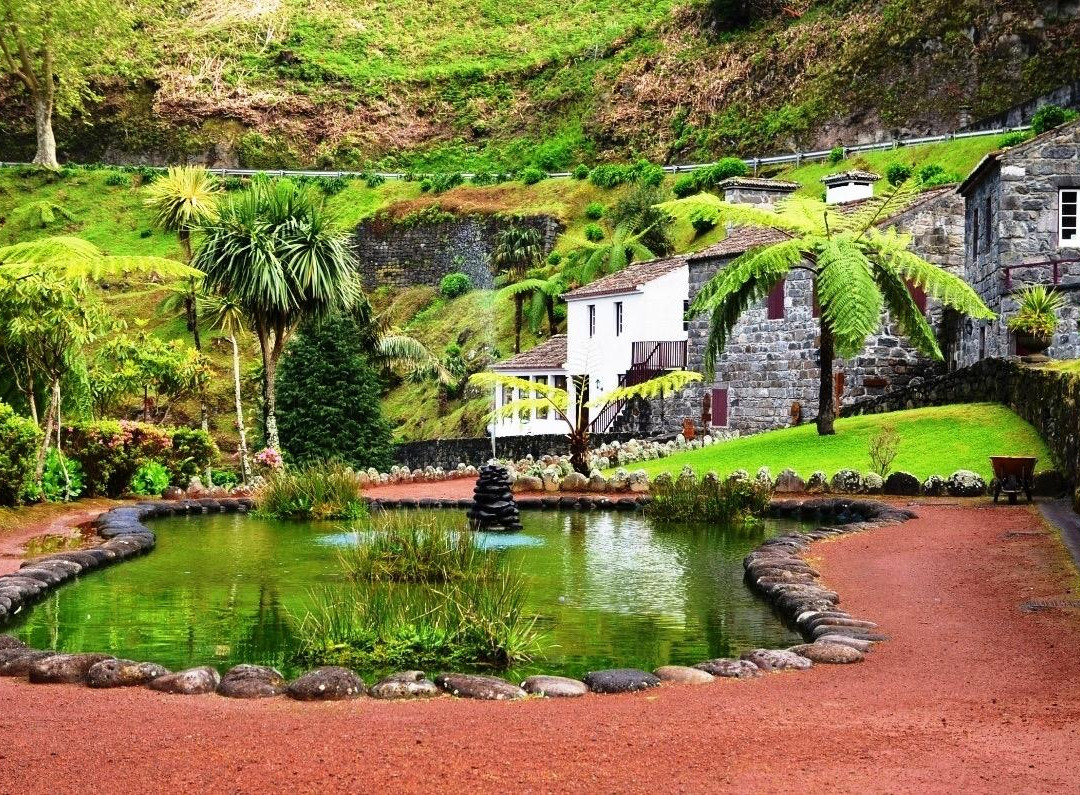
[(448, 85), (106, 207)]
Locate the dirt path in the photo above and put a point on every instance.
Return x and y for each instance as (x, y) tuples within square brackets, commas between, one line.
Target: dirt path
[(971, 694)]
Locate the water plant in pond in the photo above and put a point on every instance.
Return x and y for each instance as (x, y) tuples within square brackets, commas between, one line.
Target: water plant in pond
[(730, 501), (318, 491), (418, 547)]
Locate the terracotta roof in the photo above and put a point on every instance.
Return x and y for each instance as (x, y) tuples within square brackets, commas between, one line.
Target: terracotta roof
[(851, 176), (548, 355), (628, 279), (740, 239), (758, 182)]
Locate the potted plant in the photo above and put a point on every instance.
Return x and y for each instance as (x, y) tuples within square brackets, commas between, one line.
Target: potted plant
[(1036, 320)]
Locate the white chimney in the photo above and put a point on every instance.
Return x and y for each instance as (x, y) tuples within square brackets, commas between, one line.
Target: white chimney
[(849, 186)]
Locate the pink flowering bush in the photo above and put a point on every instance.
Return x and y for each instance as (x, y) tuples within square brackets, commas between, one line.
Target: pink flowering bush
[(269, 459)]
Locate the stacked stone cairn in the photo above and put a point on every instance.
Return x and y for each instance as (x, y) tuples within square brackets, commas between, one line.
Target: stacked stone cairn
[(493, 505)]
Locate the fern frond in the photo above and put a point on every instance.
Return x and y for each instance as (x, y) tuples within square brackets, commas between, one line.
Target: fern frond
[(523, 287), (491, 380), (848, 295), (527, 406), (710, 207), (879, 208), (74, 258), (943, 286), (669, 382), (905, 311), (764, 264)]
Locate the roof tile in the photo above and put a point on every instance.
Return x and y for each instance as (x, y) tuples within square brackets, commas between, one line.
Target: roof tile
[(629, 278), (548, 355)]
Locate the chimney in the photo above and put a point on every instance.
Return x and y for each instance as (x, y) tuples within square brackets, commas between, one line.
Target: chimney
[(756, 190), (849, 186)]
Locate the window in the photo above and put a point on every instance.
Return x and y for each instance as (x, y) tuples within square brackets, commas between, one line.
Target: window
[(918, 295), (507, 397), (988, 224), (686, 315), (541, 411), (718, 407), (560, 382), (592, 320), (774, 305), (1069, 234), (618, 318), (975, 233)]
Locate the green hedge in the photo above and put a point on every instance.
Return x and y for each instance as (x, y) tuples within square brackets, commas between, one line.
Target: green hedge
[(19, 440)]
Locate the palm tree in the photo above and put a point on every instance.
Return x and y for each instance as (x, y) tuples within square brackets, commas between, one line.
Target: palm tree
[(283, 259), (542, 286), (227, 315), (517, 249), (183, 200), (549, 397), (589, 260), (858, 270)]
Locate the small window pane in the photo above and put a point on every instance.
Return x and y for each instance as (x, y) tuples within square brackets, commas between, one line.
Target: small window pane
[(542, 411)]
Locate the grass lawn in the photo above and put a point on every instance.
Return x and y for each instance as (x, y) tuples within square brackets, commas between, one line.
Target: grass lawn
[(933, 441)]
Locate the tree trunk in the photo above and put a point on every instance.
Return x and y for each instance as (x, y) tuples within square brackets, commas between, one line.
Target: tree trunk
[(269, 406), (551, 316), (50, 421), (245, 461), (31, 398), (579, 449), (826, 403), (46, 141), (518, 301)]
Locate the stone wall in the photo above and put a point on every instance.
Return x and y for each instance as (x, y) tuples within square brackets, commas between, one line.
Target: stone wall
[(1048, 399), (448, 453), (770, 367), (1067, 96), (408, 255)]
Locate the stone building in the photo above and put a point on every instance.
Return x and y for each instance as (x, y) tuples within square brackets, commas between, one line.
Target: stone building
[(1021, 213)]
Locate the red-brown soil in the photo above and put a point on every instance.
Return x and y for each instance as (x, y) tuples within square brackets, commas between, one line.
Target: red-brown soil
[(971, 694)]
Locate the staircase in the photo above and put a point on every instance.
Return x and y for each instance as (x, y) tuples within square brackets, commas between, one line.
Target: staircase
[(650, 359)]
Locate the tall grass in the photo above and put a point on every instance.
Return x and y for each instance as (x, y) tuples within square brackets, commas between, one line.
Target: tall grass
[(710, 499), (317, 491), (406, 546)]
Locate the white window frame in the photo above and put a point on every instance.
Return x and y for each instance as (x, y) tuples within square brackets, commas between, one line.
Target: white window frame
[(1074, 218), (618, 318), (592, 320)]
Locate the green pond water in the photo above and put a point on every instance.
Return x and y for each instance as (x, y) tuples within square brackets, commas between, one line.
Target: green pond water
[(608, 590)]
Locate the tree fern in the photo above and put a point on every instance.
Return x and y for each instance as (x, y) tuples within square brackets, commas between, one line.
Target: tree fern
[(849, 298), (74, 258)]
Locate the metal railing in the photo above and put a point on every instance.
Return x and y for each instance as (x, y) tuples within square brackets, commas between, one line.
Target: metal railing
[(753, 162)]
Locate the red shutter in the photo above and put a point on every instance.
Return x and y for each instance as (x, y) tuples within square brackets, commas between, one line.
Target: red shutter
[(775, 304), (838, 388), (719, 408), (918, 294), (816, 311)]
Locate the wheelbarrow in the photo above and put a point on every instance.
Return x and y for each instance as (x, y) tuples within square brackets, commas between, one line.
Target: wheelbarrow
[(1013, 474)]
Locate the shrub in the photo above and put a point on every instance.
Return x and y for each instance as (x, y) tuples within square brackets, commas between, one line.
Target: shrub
[(482, 178), (648, 174), (884, 445), (609, 175), (328, 398), (898, 173), (150, 479), (318, 491), (374, 180), (531, 176), (702, 222), (836, 155), (19, 440), (710, 499), (725, 168), (552, 155), (1050, 116), (116, 179), (1038, 311), (594, 232), (554, 258), (232, 183), (225, 478), (1014, 138), (581, 171), (930, 171), (594, 211), (638, 210), (454, 284), (425, 185), (63, 479), (193, 450), (440, 183), (684, 186)]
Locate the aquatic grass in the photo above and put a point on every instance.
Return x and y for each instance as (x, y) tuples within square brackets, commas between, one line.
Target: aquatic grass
[(732, 501), (407, 546), (314, 492)]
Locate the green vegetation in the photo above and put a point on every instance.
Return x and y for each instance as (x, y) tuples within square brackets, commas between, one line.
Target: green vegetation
[(1038, 312), (19, 441), (150, 479), (731, 501), (474, 617), (454, 284), (1050, 116), (63, 479), (316, 491), (328, 398), (933, 441)]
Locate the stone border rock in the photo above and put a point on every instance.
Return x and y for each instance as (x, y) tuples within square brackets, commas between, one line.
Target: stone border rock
[(775, 569)]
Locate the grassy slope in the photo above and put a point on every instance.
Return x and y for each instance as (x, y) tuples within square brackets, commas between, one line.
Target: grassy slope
[(933, 441)]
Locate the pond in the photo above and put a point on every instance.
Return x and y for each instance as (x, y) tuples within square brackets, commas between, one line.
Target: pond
[(607, 590)]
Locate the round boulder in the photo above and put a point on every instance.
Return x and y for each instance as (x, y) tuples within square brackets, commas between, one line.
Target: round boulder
[(123, 673), (902, 484), (575, 481), (683, 675), (847, 481), (620, 680), (832, 653), (817, 483), (965, 483), (486, 688), (192, 682), (64, 668), (8, 642), (554, 687), (789, 482), (727, 667), (251, 681), (330, 683), (777, 660), (934, 486), (17, 662), (405, 684), (843, 640)]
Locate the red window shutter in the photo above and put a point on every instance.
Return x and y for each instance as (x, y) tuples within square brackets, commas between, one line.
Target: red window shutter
[(719, 408), (838, 387), (918, 295), (816, 311), (775, 304)]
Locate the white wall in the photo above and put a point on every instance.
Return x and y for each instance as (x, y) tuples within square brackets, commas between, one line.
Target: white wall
[(848, 192), (654, 312), (531, 424)]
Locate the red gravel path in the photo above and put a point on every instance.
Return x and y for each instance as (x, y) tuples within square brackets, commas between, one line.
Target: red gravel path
[(971, 694)]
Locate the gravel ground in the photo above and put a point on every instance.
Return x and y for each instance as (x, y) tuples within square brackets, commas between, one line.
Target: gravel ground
[(971, 694)]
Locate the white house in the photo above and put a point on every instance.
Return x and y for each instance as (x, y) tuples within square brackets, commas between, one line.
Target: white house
[(621, 330)]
